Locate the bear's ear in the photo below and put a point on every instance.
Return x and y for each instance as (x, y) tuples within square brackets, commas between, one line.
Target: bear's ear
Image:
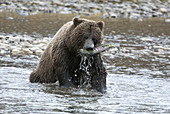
[(100, 25), (77, 21)]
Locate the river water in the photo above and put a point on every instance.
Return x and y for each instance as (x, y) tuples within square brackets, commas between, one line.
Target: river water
[(137, 82)]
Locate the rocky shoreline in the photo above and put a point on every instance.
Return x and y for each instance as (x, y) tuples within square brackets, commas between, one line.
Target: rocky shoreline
[(134, 9), (22, 44)]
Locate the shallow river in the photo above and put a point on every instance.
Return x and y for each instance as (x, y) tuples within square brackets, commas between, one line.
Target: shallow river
[(137, 82)]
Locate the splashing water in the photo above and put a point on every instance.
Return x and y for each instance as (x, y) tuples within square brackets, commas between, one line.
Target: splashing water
[(84, 67), (86, 63)]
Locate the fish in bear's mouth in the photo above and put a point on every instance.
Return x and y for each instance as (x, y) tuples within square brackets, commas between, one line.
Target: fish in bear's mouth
[(99, 49)]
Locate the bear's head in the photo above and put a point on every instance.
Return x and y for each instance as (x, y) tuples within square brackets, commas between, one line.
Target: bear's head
[(87, 34)]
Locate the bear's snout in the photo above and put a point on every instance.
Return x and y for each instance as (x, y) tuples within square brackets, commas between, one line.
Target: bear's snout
[(89, 45)]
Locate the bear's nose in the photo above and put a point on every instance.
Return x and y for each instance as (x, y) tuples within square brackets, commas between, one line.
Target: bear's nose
[(89, 48), (89, 45)]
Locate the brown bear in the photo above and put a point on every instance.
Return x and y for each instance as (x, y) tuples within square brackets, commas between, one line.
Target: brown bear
[(61, 59)]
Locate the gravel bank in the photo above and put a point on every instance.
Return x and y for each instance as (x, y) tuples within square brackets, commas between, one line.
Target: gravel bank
[(109, 8), (22, 44)]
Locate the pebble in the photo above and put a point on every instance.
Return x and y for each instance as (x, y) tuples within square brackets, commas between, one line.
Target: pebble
[(167, 20), (134, 16), (104, 16), (38, 52), (10, 18), (27, 51), (113, 15), (85, 13), (2, 52), (163, 10), (160, 47), (146, 39), (15, 51)]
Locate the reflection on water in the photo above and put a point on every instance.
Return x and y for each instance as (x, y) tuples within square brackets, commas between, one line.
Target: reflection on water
[(138, 79)]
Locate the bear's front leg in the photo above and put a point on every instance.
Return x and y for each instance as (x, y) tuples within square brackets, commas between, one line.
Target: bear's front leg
[(64, 78), (99, 75), (60, 63)]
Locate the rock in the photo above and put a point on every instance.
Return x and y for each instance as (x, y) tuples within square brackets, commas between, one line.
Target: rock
[(4, 3), (134, 16), (104, 16), (114, 1), (146, 39), (167, 20), (124, 14), (158, 47), (27, 51), (96, 11), (38, 52), (156, 14), (140, 19), (41, 46), (37, 41), (21, 12), (85, 13), (70, 5), (65, 12), (10, 18), (57, 3), (113, 15), (2, 51), (163, 10), (4, 46), (44, 41), (11, 41), (92, 6), (15, 51), (108, 9)]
